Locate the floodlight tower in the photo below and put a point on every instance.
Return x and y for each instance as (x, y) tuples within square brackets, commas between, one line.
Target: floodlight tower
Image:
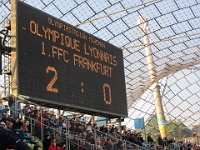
[(143, 25)]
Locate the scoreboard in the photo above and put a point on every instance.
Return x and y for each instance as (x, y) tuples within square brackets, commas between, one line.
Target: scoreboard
[(60, 64)]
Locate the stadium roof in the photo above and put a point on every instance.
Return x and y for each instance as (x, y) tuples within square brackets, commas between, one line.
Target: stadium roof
[(174, 32)]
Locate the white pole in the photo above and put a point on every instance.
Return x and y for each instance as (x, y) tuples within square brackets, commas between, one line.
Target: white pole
[(142, 23)]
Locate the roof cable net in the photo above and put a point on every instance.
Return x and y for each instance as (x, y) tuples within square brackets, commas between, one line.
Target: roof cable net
[(173, 33)]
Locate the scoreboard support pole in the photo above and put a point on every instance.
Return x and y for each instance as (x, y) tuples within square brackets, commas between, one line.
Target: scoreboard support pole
[(120, 124), (14, 47), (66, 134), (16, 108), (41, 123), (1, 55)]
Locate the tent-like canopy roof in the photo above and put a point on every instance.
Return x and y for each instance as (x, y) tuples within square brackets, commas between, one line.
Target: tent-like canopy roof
[(173, 31)]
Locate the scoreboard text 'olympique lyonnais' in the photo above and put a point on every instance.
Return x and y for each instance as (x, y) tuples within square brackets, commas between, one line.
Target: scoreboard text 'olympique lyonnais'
[(60, 64)]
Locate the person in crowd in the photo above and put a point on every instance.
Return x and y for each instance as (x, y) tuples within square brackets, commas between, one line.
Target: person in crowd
[(59, 123), (47, 129), (8, 137), (83, 121), (17, 124), (10, 147), (104, 140), (46, 142), (138, 139), (73, 128), (109, 144), (36, 147), (40, 125), (24, 127), (5, 111), (160, 141), (84, 146), (73, 143), (98, 140), (10, 126), (64, 125), (102, 128), (18, 129), (132, 138), (3, 125), (32, 116), (150, 140), (58, 137), (90, 137), (53, 145), (6, 121), (195, 146), (74, 117), (189, 145), (89, 127)]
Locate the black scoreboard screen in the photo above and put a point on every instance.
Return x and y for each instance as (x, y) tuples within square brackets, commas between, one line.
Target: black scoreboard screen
[(63, 65)]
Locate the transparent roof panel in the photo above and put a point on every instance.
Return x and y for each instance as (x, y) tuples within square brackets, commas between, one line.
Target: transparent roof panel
[(173, 32)]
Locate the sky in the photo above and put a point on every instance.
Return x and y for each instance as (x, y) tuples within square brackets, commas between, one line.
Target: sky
[(166, 19)]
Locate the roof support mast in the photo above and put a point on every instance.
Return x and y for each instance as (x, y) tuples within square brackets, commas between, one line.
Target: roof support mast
[(142, 23)]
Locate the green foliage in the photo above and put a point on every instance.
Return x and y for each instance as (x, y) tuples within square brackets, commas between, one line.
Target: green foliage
[(152, 127), (196, 128), (175, 128)]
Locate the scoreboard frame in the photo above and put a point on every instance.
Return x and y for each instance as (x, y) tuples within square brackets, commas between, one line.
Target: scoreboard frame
[(62, 66)]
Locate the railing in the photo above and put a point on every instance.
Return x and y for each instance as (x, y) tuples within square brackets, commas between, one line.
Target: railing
[(72, 138), (79, 140), (67, 135)]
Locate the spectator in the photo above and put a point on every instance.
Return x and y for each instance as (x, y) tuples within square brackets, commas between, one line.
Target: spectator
[(73, 143), (59, 123), (84, 146), (90, 137), (24, 127), (160, 141), (195, 147), (17, 124), (132, 138), (6, 120), (64, 125), (89, 127), (5, 111), (36, 147), (10, 147), (189, 145), (40, 124), (109, 144), (46, 142), (138, 139), (53, 145), (3, 125), (102, 128), (58, 137), (98, 140), (47, 129), (8, 137), (10, 126), (150, 140)]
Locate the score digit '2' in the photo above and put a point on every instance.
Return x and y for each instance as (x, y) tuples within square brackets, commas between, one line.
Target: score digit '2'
[(50, 87)]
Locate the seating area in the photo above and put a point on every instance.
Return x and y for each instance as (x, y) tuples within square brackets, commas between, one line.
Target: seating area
[(38, 127)]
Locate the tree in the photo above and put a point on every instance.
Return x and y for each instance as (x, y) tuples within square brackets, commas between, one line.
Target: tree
[(196, 128), (175, 128)]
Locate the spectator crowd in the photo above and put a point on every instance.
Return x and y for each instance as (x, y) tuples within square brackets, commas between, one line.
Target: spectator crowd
[(54, 132)]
